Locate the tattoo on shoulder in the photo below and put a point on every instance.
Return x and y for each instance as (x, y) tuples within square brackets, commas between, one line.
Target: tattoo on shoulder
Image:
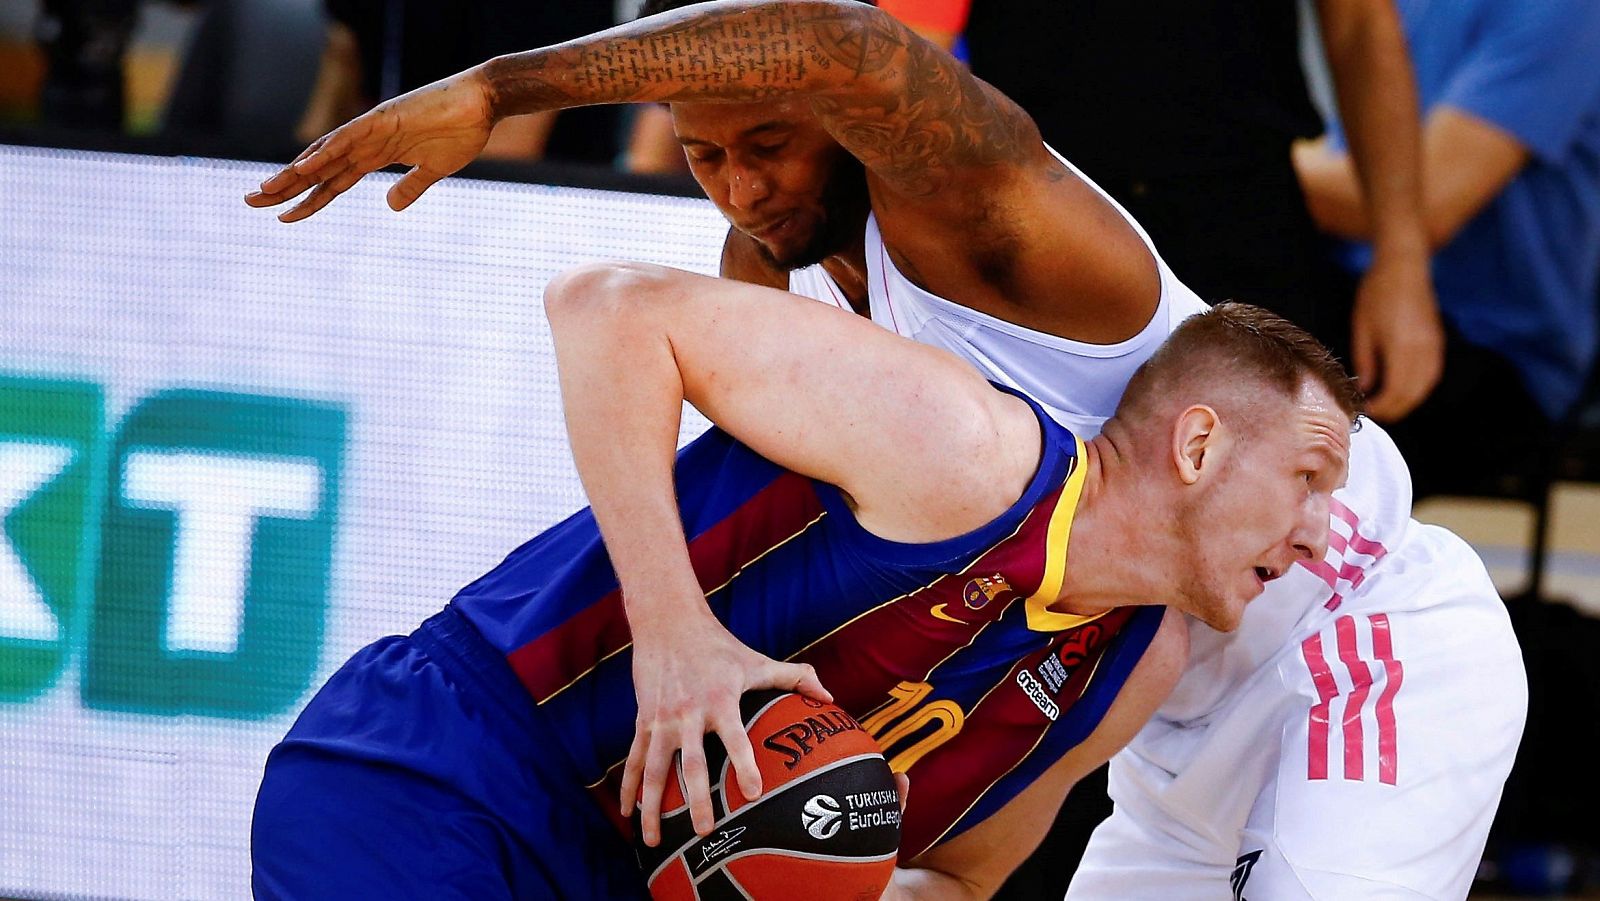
[(930, 116)]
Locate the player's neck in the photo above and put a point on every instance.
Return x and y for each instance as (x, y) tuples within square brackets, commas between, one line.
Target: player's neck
[(1119, 553), (848, 268)]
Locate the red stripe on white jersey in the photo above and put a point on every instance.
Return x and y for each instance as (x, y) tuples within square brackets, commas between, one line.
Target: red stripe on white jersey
[(1324, 571), (1322, 676), (1361, 680), (1394, 674), (1354, 695), (838, 298), (1363, 545), (1349, 556), (1337, 508)]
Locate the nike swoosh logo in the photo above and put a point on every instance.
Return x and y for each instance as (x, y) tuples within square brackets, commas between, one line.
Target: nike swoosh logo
[(938, 613)]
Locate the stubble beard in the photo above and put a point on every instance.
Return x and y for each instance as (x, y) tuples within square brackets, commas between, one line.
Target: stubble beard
[(1205, 599), (845, 203)]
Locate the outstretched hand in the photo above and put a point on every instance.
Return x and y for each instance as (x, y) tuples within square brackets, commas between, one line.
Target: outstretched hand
[(436, 129), (689, 674)]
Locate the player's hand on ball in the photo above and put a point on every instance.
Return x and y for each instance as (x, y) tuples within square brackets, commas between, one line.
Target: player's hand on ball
[(435, 129), (689, 673)]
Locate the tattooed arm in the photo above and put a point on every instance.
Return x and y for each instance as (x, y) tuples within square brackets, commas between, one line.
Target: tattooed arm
[(970, 203), (909, 111)]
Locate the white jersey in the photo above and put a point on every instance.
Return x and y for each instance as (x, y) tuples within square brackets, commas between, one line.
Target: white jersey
[(1077, 383), (1362, 761), (1207, 786)]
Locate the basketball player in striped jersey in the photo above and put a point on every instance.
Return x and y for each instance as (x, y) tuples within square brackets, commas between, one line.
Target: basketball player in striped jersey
[(909, 544), (878, 176)]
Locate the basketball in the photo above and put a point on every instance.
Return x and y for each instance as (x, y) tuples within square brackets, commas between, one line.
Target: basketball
[(828, 815)]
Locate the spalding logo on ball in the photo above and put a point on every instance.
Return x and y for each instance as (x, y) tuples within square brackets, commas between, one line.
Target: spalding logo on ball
[(829, 814)]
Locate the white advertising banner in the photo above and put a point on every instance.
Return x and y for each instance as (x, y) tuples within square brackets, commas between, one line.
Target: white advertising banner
[(234, 451)]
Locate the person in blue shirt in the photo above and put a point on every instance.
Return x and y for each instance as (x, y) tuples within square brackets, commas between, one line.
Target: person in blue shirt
[(1511, 197)]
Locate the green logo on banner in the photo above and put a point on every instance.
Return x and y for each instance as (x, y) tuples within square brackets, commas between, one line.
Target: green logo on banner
[(50, 445), (202, 530)]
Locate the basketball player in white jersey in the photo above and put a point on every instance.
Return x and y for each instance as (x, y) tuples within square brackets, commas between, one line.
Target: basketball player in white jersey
[(1351, 739), (980, 240)]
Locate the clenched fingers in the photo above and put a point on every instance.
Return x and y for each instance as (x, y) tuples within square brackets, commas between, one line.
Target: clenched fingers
[(1405, 386)]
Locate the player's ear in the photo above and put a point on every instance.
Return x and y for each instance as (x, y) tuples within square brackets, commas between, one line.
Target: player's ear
[(1196, 442)]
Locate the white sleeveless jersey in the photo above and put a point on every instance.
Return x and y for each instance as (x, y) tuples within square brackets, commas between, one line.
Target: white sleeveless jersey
[(1286, 744)]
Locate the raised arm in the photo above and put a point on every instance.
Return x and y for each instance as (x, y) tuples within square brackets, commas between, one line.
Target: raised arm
[(981, 212), (909, 111), (786, 376)]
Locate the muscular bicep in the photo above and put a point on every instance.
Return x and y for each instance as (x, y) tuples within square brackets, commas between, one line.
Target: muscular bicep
[(916, 117), (925, 447), (983, 856)]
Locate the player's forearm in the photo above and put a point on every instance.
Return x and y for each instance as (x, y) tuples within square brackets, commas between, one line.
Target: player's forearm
[(1378, 106), (623, 397), (1332, 191), (918, 883), (729, 51)]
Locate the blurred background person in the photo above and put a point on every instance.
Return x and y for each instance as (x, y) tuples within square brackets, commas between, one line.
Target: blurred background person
[(83, 43), (378, 49), (264, 76), (653, 146), (1511, 201), (1511, 191), (940, 21)]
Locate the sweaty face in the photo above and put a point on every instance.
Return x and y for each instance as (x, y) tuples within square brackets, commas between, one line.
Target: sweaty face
[(777, 176), (1266, 509)]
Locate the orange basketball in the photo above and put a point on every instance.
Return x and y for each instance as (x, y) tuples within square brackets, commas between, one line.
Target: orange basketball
[(828, 818)]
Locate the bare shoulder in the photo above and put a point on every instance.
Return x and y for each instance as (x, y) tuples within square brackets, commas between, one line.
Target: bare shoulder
[(965, 451), (743, 261)]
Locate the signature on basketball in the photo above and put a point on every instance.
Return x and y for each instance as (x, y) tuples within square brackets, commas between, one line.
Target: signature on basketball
[(726, 841)]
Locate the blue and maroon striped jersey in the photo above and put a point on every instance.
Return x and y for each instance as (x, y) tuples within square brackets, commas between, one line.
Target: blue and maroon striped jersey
[(946, 652)]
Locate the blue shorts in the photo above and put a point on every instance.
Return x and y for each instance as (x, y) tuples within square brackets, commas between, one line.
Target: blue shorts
[(422, 769)]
